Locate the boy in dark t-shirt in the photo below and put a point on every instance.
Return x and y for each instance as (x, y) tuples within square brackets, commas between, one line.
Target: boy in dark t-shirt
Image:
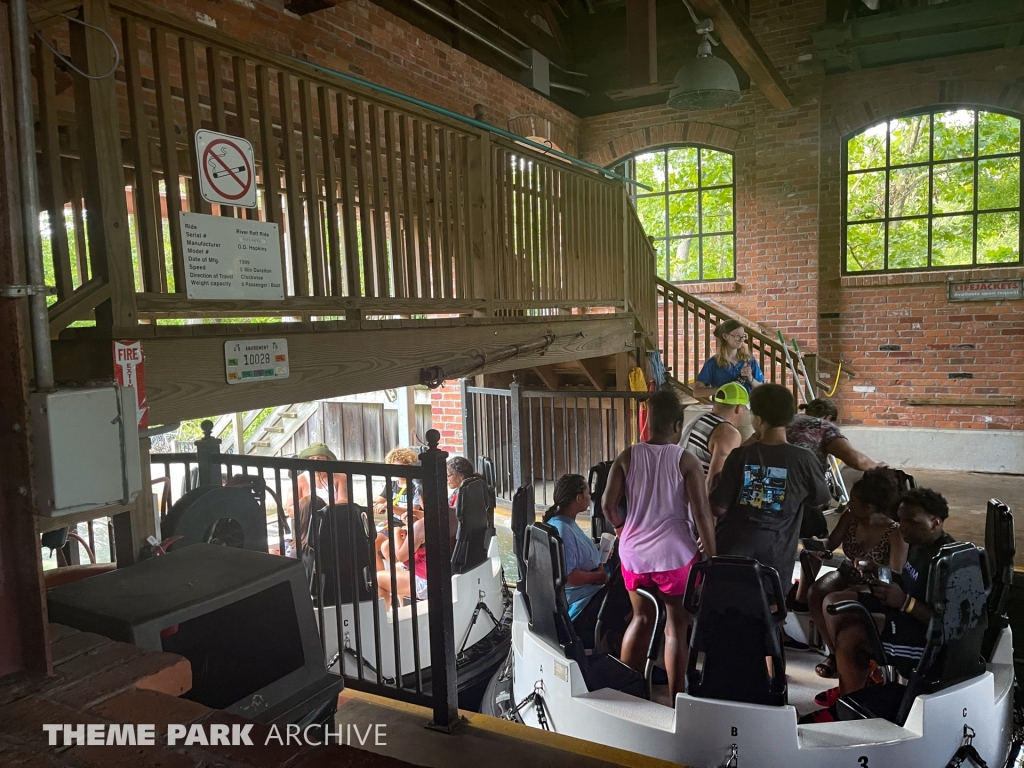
[(899, 608), (763, 487)]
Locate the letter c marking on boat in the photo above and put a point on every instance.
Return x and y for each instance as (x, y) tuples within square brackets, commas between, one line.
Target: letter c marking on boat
[(965, 713)]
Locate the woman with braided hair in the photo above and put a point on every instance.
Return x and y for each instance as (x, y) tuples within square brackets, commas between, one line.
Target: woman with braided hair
[(585, 575)]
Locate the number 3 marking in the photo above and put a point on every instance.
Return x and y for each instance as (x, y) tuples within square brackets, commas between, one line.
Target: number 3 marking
[(863, 760)]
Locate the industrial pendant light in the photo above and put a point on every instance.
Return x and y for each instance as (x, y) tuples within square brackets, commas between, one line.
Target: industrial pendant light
[(706, 82)]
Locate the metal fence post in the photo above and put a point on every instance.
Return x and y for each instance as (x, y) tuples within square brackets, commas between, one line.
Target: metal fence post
[(516, 397), (468, 422), (208, 453), (443, 671)]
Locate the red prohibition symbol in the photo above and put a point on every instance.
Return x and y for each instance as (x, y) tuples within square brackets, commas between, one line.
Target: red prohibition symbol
[(217, 169)]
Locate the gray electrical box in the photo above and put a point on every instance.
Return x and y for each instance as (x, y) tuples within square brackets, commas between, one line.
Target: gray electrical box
[(86, 449), (538, 76)]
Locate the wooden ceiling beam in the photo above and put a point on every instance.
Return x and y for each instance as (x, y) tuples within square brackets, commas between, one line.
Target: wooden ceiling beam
[(548, 375), (736, 35), (642, 42), (594, 370)]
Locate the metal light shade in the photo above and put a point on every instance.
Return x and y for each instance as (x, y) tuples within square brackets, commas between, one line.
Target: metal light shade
[(704, 83)]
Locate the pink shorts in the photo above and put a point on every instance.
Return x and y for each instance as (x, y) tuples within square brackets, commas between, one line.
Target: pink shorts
[(668, 582)]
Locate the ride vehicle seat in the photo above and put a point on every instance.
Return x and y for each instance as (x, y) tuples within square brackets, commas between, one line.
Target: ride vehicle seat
[(734, 631), (524, 514), (1001, 549), (474, 532), (486, 469), (958, 590), (549, 614), (341, 528)]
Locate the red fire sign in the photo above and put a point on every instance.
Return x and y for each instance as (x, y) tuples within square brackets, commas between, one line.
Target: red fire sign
[(129, 371)]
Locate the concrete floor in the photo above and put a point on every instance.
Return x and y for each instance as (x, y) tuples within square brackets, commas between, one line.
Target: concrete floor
[(479, 741)]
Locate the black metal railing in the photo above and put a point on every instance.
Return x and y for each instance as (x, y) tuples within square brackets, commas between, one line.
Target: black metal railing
[(536, 436), (325, 514)]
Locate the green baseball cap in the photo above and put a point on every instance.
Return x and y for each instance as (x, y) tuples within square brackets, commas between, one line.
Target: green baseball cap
[(321, 449), (732, 394)]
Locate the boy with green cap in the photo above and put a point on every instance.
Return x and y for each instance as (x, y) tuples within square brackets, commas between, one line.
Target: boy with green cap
[(713, 436)]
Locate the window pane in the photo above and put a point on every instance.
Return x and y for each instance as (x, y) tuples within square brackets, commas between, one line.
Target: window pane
[(716, 210), (867, 150), (999, 183), (718, 261), (682, 214), (715, 168), (998, 238), (908, 244), (954, 134), (997, 133), (908, 140), (908, 191), (685, 259), (953, 187), (682, 168), (952, 240), (650, 170), (659, 249), (865, 196), (652, 215), (865, 246)]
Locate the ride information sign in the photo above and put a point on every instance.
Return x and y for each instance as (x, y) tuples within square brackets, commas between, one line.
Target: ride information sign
[(227, 258), (254, 360)]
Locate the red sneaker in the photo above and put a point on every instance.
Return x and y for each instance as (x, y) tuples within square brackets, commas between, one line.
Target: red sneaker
[(821, 716), (827, 698)]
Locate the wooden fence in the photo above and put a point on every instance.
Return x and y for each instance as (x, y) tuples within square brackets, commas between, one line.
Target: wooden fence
[(384, 208)]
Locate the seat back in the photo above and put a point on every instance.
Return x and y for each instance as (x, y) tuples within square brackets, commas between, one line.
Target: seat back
[(486, 469), (598, 481), (474, 532), (958, 590), (524, 514), (545, 591), (734, 631), (340, 554), (1001, 549)]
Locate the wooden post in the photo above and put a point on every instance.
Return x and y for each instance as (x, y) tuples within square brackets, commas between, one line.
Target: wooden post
[(406, 416), (468, 422), (642, 42), (208, 453), (239, 430), (23, 637), (133, 528), (519, 464), (811, 363), (481, 237), (96, 110)]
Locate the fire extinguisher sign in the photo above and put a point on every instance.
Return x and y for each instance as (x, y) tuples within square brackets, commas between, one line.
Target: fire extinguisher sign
[(129, 371)]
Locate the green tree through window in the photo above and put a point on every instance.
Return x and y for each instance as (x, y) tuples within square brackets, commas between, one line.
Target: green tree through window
[(939, 190), (689, 210)]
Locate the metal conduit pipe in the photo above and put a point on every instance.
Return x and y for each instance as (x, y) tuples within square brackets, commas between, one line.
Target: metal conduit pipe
[(39, 318), (472, 33), (564, 87), (513, 38)]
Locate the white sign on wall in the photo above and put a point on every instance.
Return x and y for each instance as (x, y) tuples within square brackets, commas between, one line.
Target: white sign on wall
[(228, 258), (227, 169), (252, 360)]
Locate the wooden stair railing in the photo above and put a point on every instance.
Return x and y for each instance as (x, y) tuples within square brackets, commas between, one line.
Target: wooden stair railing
[(385, 208), (686, 333)]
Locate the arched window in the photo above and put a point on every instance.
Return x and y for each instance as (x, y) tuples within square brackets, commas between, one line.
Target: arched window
[(689, 210), (939, 190)]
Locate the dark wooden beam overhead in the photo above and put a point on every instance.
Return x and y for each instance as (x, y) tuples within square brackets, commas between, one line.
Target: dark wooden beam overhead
[(737, 37), (642, 41)]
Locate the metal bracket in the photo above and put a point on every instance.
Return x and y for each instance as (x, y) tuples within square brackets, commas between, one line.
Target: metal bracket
[(21, 291)]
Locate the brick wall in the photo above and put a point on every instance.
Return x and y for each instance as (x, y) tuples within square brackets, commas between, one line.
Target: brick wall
[(446, 416), (788, 222), (362, 39)]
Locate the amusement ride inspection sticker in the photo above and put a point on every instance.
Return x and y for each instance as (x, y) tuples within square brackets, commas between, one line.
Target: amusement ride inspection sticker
[(255, 360)]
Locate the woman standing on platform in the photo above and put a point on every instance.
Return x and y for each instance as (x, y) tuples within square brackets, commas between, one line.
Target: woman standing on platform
[(731, 363)]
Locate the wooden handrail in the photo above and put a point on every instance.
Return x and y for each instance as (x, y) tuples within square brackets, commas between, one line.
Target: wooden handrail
[(383, 206)]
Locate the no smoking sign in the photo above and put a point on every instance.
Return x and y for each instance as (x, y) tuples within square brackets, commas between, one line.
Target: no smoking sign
[(227, 169)]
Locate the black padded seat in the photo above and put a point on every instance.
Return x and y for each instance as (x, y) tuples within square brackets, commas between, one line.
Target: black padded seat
[(598, 481), (342, 528), (524, 514), (1001, 549), (734, 631), (958, 590), (474, 532), (549, 614)]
